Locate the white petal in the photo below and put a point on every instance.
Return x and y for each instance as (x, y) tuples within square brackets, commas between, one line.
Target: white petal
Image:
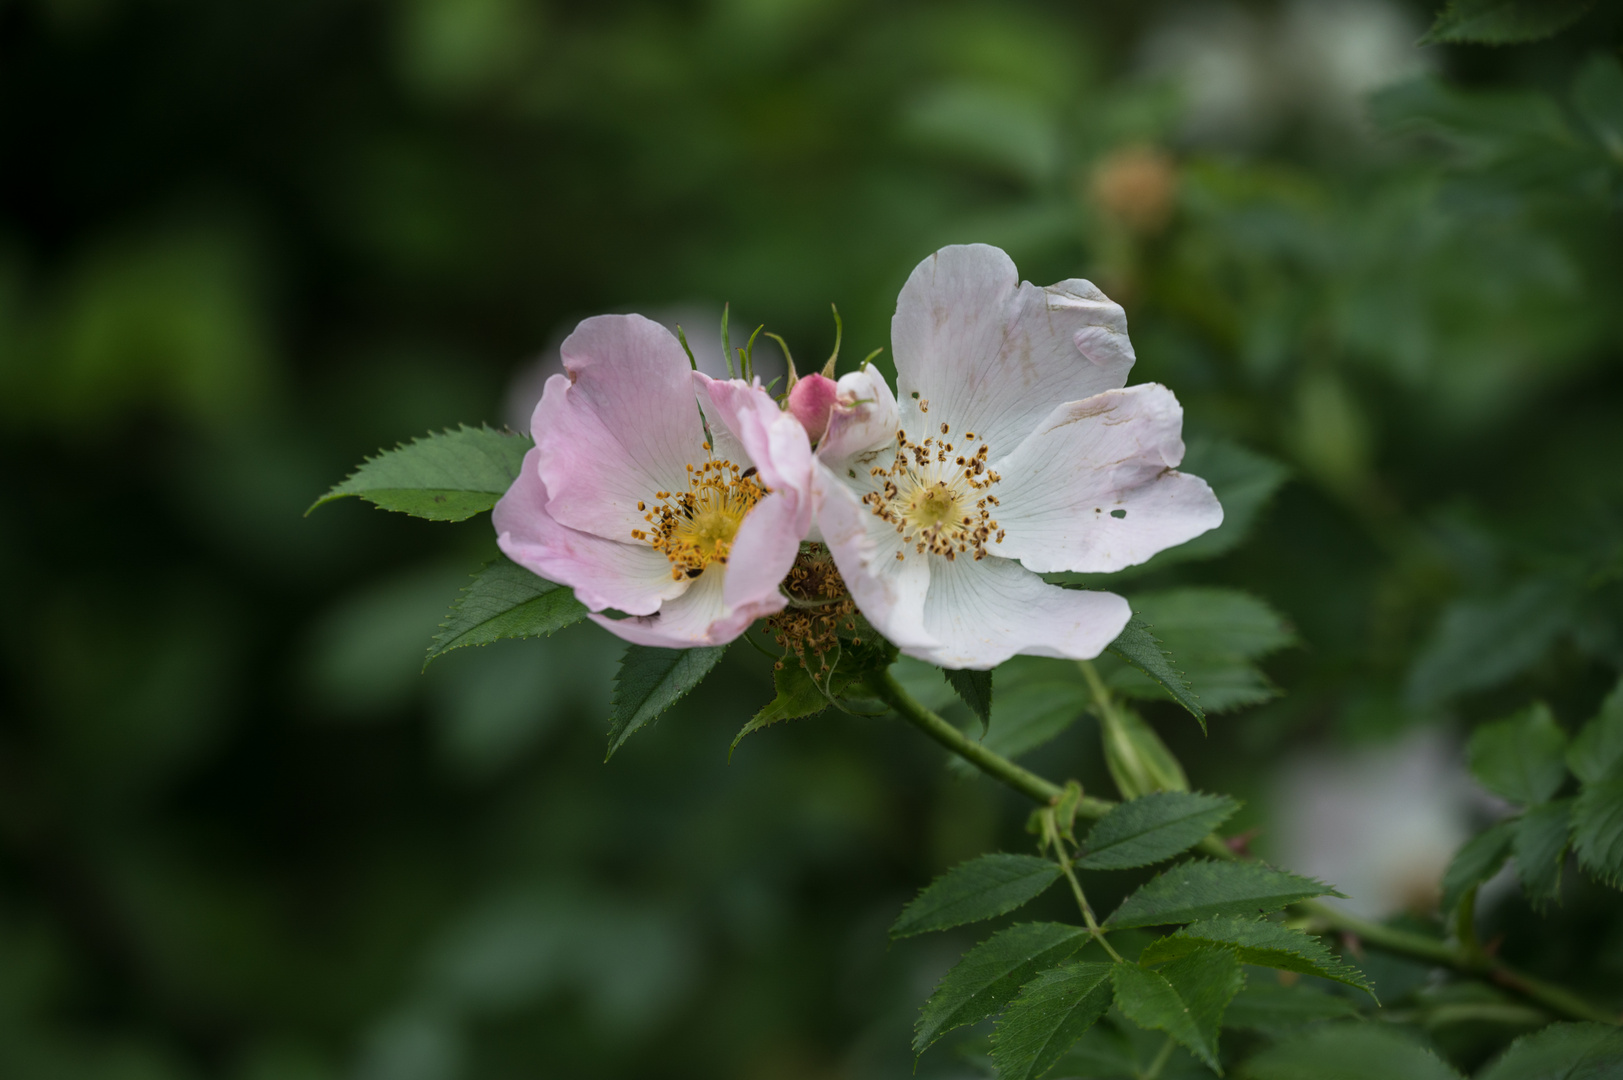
[(993, 355), (984, 612), (697, 617), (888, 591), (864, 417), (1093, 489)]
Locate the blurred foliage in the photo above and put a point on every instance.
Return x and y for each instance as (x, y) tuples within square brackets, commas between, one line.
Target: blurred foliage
[(242, 245)]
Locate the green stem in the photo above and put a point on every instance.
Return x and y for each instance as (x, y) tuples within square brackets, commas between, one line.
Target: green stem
[(1388, 939), (1082, 901)]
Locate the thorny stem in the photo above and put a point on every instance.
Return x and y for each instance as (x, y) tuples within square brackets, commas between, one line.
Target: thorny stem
[(1455, 956)]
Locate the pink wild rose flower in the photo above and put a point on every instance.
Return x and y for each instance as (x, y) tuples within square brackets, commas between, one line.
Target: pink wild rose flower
[(1015, 451), (625, 500)]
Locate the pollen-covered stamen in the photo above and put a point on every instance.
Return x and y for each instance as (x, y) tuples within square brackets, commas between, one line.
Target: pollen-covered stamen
[(819, 608), (938, 496), (696, 527)]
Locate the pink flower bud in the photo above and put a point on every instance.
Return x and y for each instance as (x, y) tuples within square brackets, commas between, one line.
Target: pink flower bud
[(811, 400)]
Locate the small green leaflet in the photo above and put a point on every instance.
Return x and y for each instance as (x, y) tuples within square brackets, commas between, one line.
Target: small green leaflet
[(1523, 758), (1597, 830), (446, 476), (1477, 860), (1139, 647), (1540, 846), (1503, 22), (1207, 981), (1138, 761), (1349, 1052), (1256, 941), (1216, 634), (1562, 1052), (1153, 827), (1267, 1006), (798, 695), (1053, 1011), (1149, 999), (1597, 751), (982, 888), (651, 681), (1204, 889), (991, 973), (504, 600), (975, 687), (1480, 643), (1029, 714)]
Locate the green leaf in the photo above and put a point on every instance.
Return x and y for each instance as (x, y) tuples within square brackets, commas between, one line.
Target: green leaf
[(1153, 827), (1051, 1013), (1598, 94), (1207, 981), (504, 600), (1597, 830), (1139, 647), (1562, 1052), (1479, 644), (1522, 758), (798, 695), (992, 973), (1243, 480), (1256, 941), (1267, 1006), (1349, 1052), (982, 888), (975, 687), (1597, 751), (1476, 861), (1139, 762), (1503, 22), (1216, 634), (1540, 846), (1204, 889), (447, 476), (651, 681), (1029, 714), (1149, 1000)]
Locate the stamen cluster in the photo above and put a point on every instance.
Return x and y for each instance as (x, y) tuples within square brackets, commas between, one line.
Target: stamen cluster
[(696, 527), (820, 606), (937, 497)]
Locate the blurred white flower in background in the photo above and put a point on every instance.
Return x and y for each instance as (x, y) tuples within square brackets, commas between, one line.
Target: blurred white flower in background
[(1380, 824), (1245, 74)]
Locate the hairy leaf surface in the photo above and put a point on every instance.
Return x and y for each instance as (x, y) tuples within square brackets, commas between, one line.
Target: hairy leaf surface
[(982, 888), (1204, 889), (1051, 1013), (1256, 941), (992, 973), (651, 681), (504, 600), (1153, 827), (446, 476)]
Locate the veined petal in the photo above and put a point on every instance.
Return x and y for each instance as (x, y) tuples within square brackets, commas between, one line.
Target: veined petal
[(763, 551), (983, 612), (1093, 488), (697, 617), (864, 416), (888, 591), (621, 425), (631, 577), (773, 440), (992, 354)]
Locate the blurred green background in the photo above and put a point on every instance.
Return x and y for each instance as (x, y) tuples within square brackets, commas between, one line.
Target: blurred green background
[(242, 245)]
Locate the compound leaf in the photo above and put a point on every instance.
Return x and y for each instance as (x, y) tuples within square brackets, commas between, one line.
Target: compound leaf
[(1139, 647), (982, 888), (1149, 1000), (1521, 758), (1216, 634), (1050, 1015), (1153, 827), (504, 600), (1597, 830), (992, 973), (445, 476), (1205, 889), (651, 681)]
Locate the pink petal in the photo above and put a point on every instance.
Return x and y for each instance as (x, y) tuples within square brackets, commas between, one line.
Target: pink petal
[(620, 426), (993, 355), (698, 617), (811, 399), (982, 613), (763, 550), (864, 416), (888, 591), (1062, 489), (631, 577), (773, 440)]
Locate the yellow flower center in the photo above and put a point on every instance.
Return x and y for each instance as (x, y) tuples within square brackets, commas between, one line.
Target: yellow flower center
[(696, 527), (938, 497)]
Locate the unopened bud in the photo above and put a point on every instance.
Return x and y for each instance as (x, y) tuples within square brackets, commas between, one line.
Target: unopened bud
[(811, 400)]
